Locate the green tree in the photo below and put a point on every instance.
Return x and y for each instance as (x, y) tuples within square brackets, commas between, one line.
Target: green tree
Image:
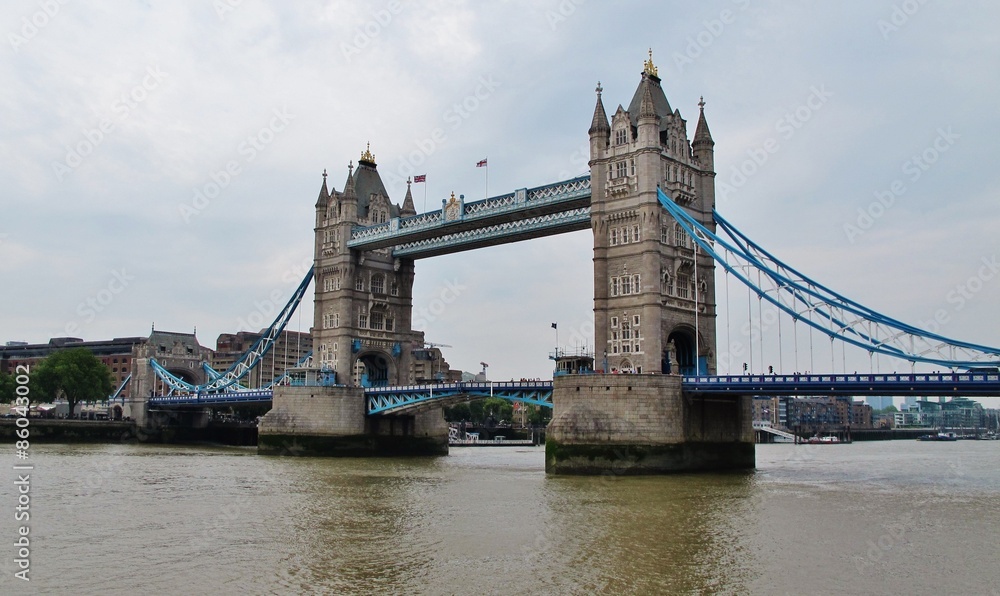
[(458, 413), (75, 374), (538, 415), (498, 408), (7, 387)]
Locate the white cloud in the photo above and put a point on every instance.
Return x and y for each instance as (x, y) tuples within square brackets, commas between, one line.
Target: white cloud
[(226, 76)]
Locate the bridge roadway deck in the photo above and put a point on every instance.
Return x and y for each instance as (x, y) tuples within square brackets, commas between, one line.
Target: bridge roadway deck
[(387, 400), (918, 384), (526, 213)]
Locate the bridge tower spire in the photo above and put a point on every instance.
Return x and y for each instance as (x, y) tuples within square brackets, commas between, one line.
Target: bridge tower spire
[(647, 286)]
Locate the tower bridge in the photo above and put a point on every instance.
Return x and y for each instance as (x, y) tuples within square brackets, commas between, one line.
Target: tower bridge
[(656, 404)]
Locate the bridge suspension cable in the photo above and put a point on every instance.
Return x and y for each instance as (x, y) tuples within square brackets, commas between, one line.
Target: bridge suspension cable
[(221, 381), (821, 308)]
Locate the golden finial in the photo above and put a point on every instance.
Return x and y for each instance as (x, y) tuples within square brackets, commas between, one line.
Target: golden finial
[(368, 155), (648, 67)]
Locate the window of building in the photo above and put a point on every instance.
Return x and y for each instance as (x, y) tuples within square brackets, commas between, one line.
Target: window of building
[(683, 286), (626, 282), (614, 322), (359, 284), (635, 284), (635, 234), (378, 284), (363, 321), (378, 320), (635, 324), (336, 320), (665, 235), (394, 288), (389, 324), (632, 166), (621, 136), (614, 286), (614, 236), (621, 169)]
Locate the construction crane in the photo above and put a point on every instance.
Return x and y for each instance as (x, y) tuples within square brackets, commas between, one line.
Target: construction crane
[(438, 376)]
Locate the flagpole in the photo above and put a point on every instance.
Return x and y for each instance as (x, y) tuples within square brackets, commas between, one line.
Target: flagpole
[(487, 177), (425, 196)]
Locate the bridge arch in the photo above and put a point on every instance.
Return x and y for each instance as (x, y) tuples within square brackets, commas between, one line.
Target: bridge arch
[(680, 359), (186, 375), (374, 368)]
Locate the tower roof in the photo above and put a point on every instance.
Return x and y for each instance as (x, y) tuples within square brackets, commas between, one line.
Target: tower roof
[(366, 182), (600, 120), (702, 134), (324, 194), (650, 83), (408, 209)]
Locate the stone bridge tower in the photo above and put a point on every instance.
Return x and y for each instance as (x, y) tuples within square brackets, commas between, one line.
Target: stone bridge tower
[(654, 307), (654, 295), (363, 300)]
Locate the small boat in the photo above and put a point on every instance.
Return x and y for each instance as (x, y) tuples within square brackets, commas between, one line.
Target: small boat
[(818, 440), (942, 436)]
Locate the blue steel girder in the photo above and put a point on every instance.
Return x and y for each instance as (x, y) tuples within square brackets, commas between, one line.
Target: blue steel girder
[(422, 234), (408, 399), (248, 360), (970, 384), (503, 233), (822, 309)]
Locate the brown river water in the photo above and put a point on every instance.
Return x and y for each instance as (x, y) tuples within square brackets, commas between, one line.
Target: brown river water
[(900, 517)]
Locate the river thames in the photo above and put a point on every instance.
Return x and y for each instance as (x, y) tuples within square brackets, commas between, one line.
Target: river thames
[(900, 517)]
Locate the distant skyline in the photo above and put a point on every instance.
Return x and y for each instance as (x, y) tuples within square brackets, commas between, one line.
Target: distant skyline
[(160, 161)]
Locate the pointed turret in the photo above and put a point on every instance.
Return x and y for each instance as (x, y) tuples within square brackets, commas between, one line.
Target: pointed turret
[(324, 195), (600, 122), (648, 123), (349, 199), (703, 144), (646, 108), (407, 209), (600, 130)]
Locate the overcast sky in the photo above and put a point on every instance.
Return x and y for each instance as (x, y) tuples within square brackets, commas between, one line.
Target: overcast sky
[(159, 161)]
